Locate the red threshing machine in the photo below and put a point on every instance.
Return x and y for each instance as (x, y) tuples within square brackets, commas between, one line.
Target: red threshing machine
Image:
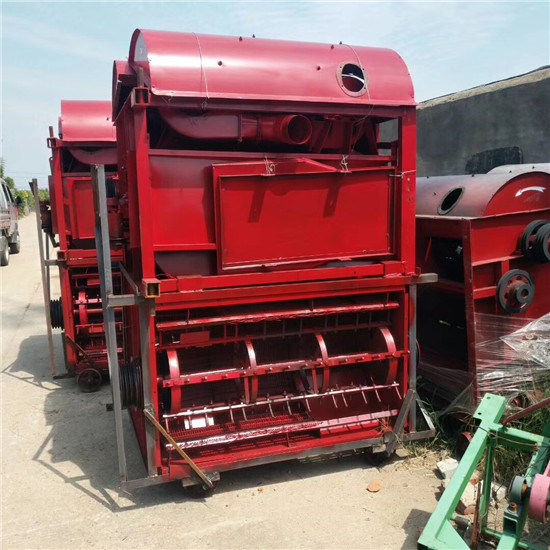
[(269, 299), (86, 137), (487, 237)]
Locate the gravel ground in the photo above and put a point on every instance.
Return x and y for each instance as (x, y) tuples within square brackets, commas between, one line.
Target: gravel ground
[(59, 471)]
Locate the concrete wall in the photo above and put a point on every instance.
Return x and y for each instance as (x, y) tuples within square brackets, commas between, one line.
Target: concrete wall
[(509, 114)]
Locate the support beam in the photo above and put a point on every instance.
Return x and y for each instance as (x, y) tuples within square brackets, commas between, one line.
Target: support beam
[(101, 231), (45, 279)]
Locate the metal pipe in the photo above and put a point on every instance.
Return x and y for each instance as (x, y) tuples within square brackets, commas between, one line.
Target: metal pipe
[(526, 411), (414, 354), (144, 309)]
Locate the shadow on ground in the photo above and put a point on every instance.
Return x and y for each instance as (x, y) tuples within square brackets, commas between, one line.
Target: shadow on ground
[(80, 446), (414, 519)]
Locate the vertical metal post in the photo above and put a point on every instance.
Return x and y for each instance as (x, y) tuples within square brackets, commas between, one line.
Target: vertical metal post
[(101, 231), (45, 286), (413, 356), (48, 278), (144, 335), (485, 499)]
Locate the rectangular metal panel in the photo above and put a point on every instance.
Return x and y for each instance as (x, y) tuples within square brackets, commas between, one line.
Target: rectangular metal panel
[(291, 218), (81, 215), (181, 203)]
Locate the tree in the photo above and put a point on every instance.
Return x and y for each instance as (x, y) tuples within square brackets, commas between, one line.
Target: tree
[(27, 199)]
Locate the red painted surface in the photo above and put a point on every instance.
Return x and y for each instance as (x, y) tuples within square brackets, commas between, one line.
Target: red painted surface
[(472, 247), (197, 65), (281, 233), (86, 136)]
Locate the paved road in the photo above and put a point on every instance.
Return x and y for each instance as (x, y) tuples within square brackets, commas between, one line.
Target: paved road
[(59, 473)]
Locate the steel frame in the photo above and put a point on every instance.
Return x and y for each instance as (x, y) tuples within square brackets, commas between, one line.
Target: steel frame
[(439, 534)]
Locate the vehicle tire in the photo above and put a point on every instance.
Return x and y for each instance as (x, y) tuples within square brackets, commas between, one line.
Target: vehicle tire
[(4, 251), (15, 245)]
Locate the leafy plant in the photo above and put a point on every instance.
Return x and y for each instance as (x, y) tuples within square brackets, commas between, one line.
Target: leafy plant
[(26, 201)]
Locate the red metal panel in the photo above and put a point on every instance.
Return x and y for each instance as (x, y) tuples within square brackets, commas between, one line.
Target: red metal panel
[(196, 65), (181, 192), (292, 216), (81, 216), (86, 122), (495, 193)]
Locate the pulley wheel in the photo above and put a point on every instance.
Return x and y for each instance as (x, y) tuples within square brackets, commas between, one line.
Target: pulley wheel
[(89, 380), (515, 291), (539, 499), (131, 386), (528, 233), (541, 245), (56, 314)]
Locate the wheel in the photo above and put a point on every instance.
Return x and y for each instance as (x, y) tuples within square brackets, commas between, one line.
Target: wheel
[(541, 250), (201, 490), (4, 251), (526, 244), (15, 245), (515, 291), (89, 380)]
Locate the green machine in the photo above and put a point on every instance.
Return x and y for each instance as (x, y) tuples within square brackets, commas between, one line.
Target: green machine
[(529, 494)]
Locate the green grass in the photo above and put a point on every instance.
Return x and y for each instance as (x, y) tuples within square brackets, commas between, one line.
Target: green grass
[(508, 462)]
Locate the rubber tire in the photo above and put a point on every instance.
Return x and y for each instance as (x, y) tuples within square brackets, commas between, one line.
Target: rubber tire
[(4, 251), (541, 251), (15, 245), (528, 232)]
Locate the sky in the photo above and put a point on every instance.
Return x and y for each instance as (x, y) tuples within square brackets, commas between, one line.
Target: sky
[(64, 50)]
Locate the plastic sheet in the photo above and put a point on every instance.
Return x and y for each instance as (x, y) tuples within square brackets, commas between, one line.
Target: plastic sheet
[(533, 341), (512, 356)]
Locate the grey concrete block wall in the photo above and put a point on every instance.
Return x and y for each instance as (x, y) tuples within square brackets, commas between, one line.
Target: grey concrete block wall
[(505, 114)]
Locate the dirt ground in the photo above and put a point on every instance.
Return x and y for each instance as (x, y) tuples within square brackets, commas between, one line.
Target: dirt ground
[(59, 471)]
